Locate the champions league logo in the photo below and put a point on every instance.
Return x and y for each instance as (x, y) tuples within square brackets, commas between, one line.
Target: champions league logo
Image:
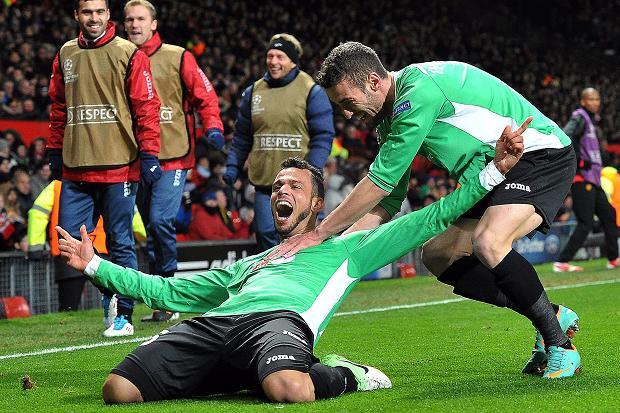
[(68, 75), (67, 66), (256, 101)]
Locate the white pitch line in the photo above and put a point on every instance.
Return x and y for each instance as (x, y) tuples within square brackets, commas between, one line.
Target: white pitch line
[(457, 300), (342, 314), (74, 348)]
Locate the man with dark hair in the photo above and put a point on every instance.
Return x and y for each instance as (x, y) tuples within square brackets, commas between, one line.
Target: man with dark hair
[(451, 113), (104, 137), (76, 4), (184, 90), (255, 334), (283, 114), (589, 198)]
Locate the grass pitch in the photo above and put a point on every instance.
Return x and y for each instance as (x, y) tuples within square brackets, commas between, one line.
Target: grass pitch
[(450, 356)]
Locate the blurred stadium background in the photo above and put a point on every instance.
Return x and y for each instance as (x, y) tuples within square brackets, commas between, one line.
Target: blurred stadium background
[(548, 51)]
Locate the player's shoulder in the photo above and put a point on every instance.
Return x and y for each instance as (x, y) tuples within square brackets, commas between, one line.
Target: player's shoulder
[(69, 44), (171, 48), (120, 42), (414, 85)]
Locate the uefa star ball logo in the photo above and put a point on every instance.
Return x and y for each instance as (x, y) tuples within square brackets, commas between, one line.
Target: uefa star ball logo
[(256, 104), (67, 66)]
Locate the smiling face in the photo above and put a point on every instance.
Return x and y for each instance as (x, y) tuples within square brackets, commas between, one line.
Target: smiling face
[(139, 24), (294, 204), (356, 102), (278, 64), (92, 16)]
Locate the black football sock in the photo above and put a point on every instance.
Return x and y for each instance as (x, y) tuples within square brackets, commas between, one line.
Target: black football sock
[(518, 280), (553, 336), (471, 279), (331, 381)]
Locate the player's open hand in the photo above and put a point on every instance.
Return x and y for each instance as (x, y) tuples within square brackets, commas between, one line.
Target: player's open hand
[(291, 246), (77, 254), (509, 147)]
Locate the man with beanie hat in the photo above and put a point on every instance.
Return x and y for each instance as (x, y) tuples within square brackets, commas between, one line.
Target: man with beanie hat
[(281, 115)]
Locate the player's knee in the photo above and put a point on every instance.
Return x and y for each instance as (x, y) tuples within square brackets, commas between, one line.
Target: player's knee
[(489, 249), (281, 389), (434, 257), (437, 256), (119, 390)]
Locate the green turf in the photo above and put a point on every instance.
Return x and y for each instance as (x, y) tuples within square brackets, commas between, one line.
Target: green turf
[(461, 356)]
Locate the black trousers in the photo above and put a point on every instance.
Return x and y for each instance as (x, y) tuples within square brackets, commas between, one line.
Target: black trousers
[(590, 200)]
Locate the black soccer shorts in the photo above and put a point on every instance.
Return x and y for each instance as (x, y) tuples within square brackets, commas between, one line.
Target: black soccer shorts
[(213, 355), (541, 178)]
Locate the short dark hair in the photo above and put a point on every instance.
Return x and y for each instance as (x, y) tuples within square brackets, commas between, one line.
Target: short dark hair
[(318, 187), (76, 4), (352, 61)]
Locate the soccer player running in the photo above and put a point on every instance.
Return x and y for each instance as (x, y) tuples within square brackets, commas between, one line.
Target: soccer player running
[(261, 324), (183, 90), (451, 113)]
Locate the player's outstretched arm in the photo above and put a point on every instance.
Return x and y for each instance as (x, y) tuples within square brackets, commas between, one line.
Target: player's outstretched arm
[(197, 293), (77, 254)]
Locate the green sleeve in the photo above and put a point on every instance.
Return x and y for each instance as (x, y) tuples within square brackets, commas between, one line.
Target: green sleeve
[(370, 250), (394, 200), (417, 107), (197, 293)]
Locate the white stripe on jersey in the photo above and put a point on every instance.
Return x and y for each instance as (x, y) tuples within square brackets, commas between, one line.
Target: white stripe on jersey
[(331, 295), (487, 126)]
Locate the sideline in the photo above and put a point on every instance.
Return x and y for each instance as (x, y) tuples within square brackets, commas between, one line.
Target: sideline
[(342, 314)]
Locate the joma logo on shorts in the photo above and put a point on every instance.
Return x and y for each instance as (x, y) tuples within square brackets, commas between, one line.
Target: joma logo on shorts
[(520, 187), (279, 357)]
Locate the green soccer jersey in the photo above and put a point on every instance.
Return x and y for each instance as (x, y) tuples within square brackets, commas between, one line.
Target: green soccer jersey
[(311, 283), (452, 113)]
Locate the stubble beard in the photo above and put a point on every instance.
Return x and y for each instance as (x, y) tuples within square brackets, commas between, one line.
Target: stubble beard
[(284, 232)]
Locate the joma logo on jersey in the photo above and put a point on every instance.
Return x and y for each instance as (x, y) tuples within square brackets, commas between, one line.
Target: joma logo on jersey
[(520, 187), (279, 357)]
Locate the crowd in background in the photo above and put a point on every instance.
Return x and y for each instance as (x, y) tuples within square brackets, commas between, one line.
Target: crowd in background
[(547, 54)]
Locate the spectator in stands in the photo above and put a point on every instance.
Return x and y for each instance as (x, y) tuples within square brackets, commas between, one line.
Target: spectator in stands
[(11, 205), (20, 155), (100, 174), (589, 199), (5, 148), (337, 186), (36, 153), (183, 89), (21, 182), (281, 115), (40, 179), (212, 221)]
